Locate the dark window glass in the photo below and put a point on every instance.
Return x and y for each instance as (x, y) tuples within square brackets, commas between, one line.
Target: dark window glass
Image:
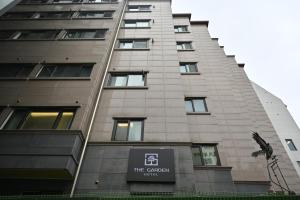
[(133, 44), (103, 1), (85, 34), (15, 70), (127, 80), (34, 1), (40, 119), (136, 24), (36, 35), (53, 15), (206, 155), (95, 14), (298, 162), (67, 1), (66, 70), (184, 45), (128, 130), (179, 29), (139, 8), (188, 67), (291, 144), (195, 105), (17, 15), (6, 34)]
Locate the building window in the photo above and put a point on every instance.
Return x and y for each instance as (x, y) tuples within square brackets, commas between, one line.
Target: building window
[(133, 44), (291, 144), (139, 8), (298, 162), (17, 15), (137, 23), (184, 46), (126, 80), (188, 67), (52, 15), (180, 29), (85, 34), (67, 1), (128, 130), (15, 70), (36, 35), (66, 70), (5, 35), (205, 155), (95, 14), (33, 1), (102, 1), (195, 104), (30, 119)]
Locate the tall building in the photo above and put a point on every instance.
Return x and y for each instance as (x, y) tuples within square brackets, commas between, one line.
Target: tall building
[(125, 97), (283, 123)]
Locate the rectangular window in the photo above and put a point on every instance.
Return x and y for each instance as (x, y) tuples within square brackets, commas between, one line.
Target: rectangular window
[(32, 119), (66, 70), (124, 80), (102, 1), (136, 23), (188, 67), (52, 15), (36, 35), (205, 155), (180, 29), (67, 1), (291, 144), (4, 35), (128, 130), (184, 46), (86, 34), (139, 8), (17, 15), (15, 70), (133, 44), (298, 162), (33, 1), (195, 104), (95, 14)]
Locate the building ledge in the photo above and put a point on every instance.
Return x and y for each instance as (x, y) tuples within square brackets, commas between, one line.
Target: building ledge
[(199, 23), (188, 15), (126, 87), (133, 49), (190, 73), (200, 167), (198, 113)]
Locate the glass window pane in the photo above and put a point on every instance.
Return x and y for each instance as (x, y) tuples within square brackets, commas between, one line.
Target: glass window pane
[(15, 119), (196, 156), (144, 7), (129, 24), (65, 120), (47, 71), (179, 47), (135, 131), (142, 24), (135, 80), (24, 71), (192, 68), (140, 44), (40, 120), (35, 35), (15, 70), (85, 71), (121, 131), (187, 46), (118, 80), (291, 145), (209, 155), (182, 69), (126, 45), (188, 106), (199, 105), (5, 34)]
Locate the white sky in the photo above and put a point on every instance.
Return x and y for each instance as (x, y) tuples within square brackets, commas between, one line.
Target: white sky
[(263, 34)]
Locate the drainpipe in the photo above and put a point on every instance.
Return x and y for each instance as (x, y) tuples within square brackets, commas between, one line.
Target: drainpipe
[(97, 103)]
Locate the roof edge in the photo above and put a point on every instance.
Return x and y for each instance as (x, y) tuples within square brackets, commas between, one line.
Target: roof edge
[(204, 22)]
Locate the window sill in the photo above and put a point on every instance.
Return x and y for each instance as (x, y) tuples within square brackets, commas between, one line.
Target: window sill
[(198, 113), (182, 32), (185, 49), (59, 78), (190, 73), (133, 49), (81, 39), (67, 3), (128, 11), (123, 27), (223, 168), (126, 88), (37, 19)]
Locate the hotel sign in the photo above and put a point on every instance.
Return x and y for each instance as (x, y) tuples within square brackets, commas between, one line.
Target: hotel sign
[(151, 165)]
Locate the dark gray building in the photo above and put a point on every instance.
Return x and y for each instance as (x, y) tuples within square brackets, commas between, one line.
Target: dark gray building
[(124, 96)]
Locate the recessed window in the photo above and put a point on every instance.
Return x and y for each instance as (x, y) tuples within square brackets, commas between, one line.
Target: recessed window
[(133, 44), (102, 1), (86, 34), (139, 8), (66, 70), (128, 130), (17, 15), (30, 119), (36, 35), (180, 29), (34, 1), (184, 46), (291, 144), (205, 155), (95, 14), (52, 15), (4, 35), (15, 70), (298, 162), (136, 23), (67, 1), (124, 80), (188, 67), (195, 104)]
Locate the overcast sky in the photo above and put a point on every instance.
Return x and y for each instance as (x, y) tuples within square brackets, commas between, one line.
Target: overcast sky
[(263, 34)]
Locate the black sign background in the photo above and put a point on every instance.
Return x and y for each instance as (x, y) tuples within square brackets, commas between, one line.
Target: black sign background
[(158, 167)]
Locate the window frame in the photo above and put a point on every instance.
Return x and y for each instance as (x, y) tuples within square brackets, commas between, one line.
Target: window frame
[(77, 15), (17, 34), (177, 26), (133, 43), (39, 109), (196, 98), (185, 64), (138, 8), (23, 65), (181, 43), (127, 74), (136, 21), (199, 146), (293, 144), (128, 120), (66, 31)]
